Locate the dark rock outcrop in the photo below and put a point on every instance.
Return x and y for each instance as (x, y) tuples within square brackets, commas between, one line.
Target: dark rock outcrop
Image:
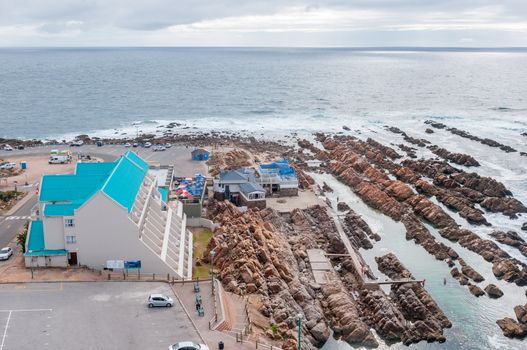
[(493, 291)]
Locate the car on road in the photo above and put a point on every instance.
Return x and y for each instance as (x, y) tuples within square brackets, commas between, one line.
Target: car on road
[(188, 345), (128, 145), (5, 253), (159, 148), (156, 300), (8, 165), (148, 145), (77, 143), (8, 148)]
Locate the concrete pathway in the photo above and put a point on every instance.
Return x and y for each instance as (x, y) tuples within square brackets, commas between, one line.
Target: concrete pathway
[(187, 296)]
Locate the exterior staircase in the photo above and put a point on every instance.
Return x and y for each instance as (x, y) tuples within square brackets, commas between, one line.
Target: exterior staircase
[(163, 228)]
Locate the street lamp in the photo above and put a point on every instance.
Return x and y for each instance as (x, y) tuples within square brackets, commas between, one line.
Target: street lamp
[(212, 253), (299, 318), (15, 182)]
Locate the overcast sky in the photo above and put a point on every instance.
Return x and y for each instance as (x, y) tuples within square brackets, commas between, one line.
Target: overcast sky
[(477, 23)]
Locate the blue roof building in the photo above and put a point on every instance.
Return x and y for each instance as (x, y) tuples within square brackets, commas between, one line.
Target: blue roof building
[(105, 212)]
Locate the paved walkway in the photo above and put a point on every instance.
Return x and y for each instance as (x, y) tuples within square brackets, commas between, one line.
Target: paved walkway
[(187, 296), (358, 262)]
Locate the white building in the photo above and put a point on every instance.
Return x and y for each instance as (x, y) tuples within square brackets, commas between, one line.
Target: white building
[(109, 211)]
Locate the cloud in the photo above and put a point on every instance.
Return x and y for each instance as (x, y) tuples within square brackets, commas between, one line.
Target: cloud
[(257, 22)]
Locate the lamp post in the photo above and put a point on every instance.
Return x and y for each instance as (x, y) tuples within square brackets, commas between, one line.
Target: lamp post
[(299, 318), (16, 183), (212, 253)]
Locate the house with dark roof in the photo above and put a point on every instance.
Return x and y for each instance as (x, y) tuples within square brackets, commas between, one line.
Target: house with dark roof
[(107, 212), (240, 187)]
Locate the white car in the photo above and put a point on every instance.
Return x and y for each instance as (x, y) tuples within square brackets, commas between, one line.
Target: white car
[(8, 148), (148, 145), (128, 145), (159, 148), (8, 165), (168, 145), (156, 300), (5, 253), (188, 345)]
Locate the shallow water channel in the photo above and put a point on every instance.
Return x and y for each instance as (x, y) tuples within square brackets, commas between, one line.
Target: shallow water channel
[(473, 319)]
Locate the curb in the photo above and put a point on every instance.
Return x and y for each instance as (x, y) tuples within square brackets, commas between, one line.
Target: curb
[(187, 313), (20, 203)]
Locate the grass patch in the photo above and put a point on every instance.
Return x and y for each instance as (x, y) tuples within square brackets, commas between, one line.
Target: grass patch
[(201, 237)]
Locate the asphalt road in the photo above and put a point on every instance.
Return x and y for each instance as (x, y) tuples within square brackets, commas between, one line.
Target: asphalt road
[(89, 315), (11, 225), (177, 155)]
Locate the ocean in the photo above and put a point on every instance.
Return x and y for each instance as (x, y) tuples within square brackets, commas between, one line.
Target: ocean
[(272, 93), (65, 92)]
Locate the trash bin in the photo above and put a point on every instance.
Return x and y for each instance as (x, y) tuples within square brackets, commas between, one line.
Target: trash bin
[(221, 346), (23, 165)]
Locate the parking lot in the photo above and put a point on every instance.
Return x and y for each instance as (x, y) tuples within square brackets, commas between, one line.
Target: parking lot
[(177, 155), (89, 315)]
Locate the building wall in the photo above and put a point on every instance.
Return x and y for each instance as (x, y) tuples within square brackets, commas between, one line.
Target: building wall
[(46, 261), (287, 192), (252, 204), (54, 232), (105, 232)]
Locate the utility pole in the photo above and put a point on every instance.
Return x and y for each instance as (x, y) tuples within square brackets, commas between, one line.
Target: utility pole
[(299, 318)]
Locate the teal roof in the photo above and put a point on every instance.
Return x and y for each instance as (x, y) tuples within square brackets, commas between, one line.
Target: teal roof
[(61, 209), (36, 236), (36, 246), (120, 180), (125, 180), (94, 169), (164, 193)]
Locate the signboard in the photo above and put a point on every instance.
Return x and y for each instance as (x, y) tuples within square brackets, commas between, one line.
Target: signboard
[(114, 264), (132, 264)]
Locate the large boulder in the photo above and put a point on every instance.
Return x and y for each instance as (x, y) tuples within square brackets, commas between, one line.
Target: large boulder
[(493, 291)]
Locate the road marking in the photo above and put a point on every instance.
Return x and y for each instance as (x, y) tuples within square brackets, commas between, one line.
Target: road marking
[(5, 330), (26, 310), (14, 217)]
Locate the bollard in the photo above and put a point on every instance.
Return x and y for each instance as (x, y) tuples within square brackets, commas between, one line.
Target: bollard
[(109, 277), (154, 276), (168, 277)]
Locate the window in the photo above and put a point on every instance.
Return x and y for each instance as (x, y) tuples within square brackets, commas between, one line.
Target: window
[(69, 223), (71, 239)]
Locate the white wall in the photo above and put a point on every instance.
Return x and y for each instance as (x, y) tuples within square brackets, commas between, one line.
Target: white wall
[(54, 232), (105, 232), (47, 261)]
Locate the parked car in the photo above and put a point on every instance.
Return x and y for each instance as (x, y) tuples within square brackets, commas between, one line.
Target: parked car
[(77, 143), (8, 165), (168, 145), (20, 147), (159, 148), (155, 300), (135, 145), (5, 253), (99, 144), (128, 145), (188, 345), (60, 159), (148, 145), (8, 148)]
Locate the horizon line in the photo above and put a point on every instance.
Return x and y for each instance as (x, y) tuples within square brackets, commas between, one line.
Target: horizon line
[(378, 48)]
